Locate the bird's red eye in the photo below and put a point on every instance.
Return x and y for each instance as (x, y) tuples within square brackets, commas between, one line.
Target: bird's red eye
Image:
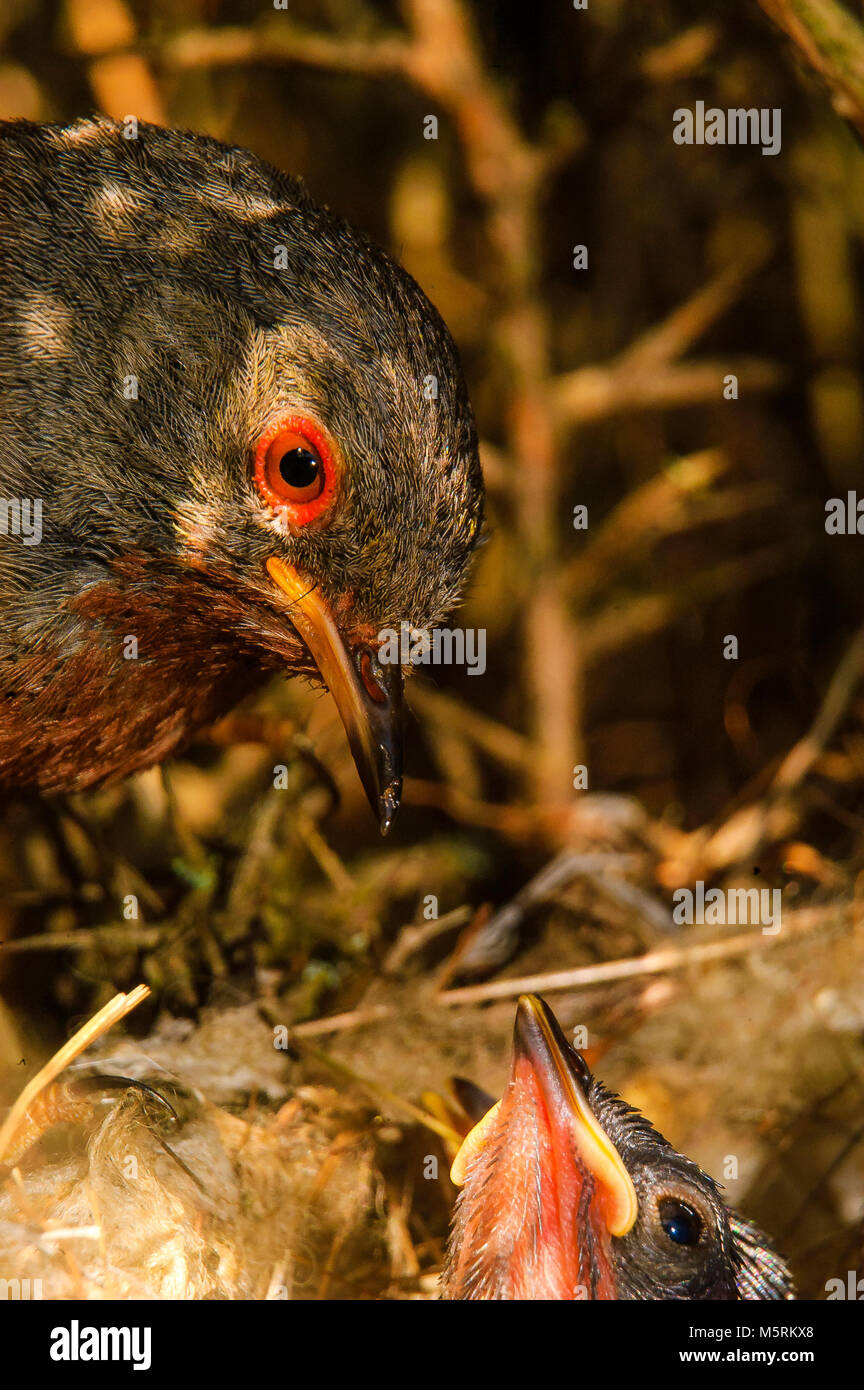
[(295, 469)]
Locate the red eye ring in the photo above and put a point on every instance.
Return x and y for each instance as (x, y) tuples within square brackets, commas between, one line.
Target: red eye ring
[(295, 468)]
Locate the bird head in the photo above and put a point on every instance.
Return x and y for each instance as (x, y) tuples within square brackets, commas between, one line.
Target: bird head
[(242, 415), (569, 1193)]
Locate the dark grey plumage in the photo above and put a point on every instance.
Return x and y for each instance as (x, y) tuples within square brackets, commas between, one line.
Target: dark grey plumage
[(735, 1260), (160, 297)]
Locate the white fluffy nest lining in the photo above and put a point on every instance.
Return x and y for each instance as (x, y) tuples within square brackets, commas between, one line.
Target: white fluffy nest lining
[(254, 1205)]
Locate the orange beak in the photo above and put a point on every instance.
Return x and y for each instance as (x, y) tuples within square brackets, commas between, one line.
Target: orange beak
[(368, 694), (545, 1189)]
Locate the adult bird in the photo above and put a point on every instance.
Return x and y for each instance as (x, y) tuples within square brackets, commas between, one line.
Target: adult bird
[(569, 1193), (234, 438)]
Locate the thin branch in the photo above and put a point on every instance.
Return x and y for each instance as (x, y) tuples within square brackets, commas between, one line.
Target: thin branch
[(595, 393), (414, 936), (114, 1010), (338, 1023), (832, 41), (844, 683), (777, 815), (504, 745), (618, 626), (660, 505), (122, 936), (495, 939), (278, 43), (654, 963), (688, 322)]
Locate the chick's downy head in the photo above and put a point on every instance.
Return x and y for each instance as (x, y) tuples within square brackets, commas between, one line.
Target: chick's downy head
[(570, 1194)]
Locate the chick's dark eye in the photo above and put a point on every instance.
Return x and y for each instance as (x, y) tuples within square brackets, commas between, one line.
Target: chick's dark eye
[(681, 1223)]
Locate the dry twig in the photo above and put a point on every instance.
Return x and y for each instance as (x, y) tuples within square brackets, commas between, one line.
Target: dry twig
[(114, 1010), (654, 963)]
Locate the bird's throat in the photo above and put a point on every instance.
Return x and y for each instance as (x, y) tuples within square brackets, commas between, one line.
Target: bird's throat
[(147, 659)]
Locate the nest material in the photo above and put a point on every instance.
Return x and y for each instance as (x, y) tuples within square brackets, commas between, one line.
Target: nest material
[(262, 1204)]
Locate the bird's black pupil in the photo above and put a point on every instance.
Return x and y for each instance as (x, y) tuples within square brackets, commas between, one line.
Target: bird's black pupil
[(680, 1222), (299, 467)]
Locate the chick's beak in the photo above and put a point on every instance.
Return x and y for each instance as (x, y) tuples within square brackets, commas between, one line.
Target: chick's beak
[(545, 1188), (368, 694)]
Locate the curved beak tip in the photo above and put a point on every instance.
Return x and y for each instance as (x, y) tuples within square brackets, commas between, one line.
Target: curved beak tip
[(368, 694), (388, 806)]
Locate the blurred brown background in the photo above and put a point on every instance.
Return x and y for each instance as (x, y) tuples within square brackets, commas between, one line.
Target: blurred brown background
[(601, 387)]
